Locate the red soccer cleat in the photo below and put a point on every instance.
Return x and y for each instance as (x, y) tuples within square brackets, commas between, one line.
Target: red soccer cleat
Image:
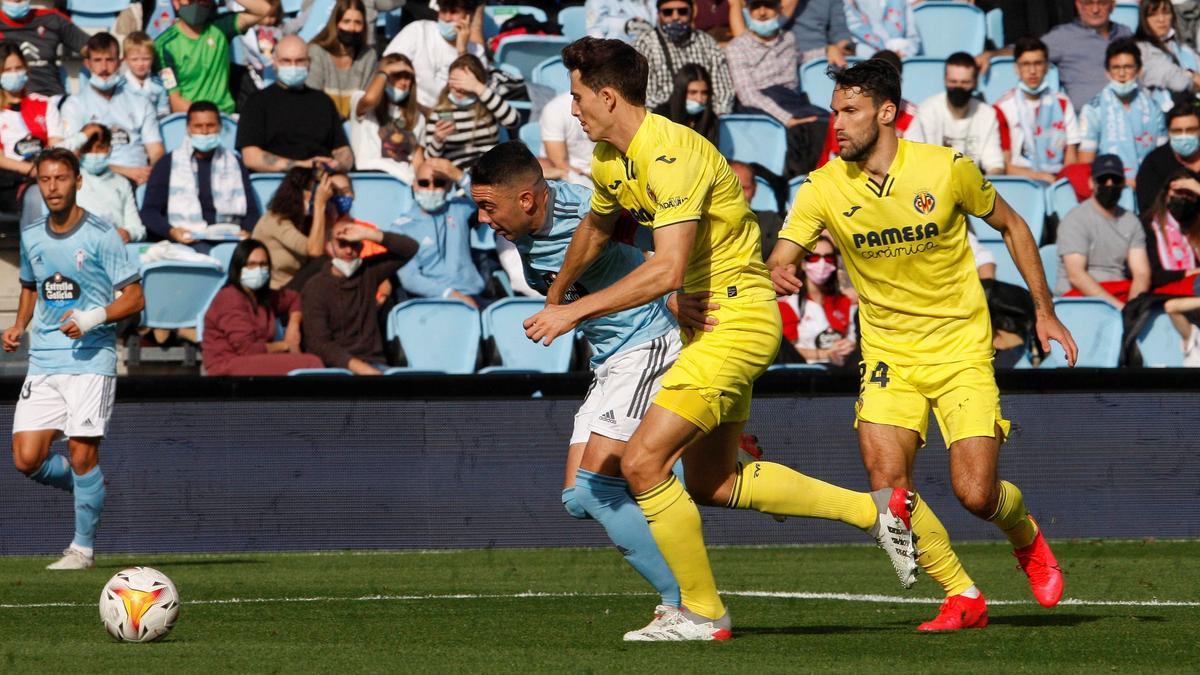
[(1039, 564), (958, 612), (748, 443)]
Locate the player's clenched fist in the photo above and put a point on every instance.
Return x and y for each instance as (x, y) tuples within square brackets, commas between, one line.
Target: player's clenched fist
[(785, 280), (551, 322), (12, 338)]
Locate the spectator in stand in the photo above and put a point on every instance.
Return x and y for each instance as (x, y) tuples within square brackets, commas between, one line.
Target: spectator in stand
[(769, 222), (198, 184), (1026, 18), (819, 26), (567, 150), (467, 118), (1098, 239), (193, 54), (434, 46), (906, 117), (258, 45), (675, 44), (106, 194), (29, 123), (294, 231), (374, 7), (1182, 152), (341, 63), (1123, 119), (882, 24), (819, 321), (1079, 48), (241, 324), (1172, 228), (620, 19), (341, 323), (388, 128), (290, 124), (1188, 21), (957, 119), (1171, 67), (39, 33), (106, 99), (442, 267), (691, 102), (138, 62), (1039, 132)]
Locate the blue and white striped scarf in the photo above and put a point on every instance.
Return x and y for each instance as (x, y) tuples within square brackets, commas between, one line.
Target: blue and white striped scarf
[(183, 200)]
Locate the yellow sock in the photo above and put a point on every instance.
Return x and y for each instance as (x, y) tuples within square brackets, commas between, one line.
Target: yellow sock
[(1012, 518), (675, 524), (937, 558), (776, 489)]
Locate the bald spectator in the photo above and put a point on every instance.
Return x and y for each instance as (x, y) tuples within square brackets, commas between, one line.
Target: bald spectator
[(1078, 49), (290, 124), (768, 221)]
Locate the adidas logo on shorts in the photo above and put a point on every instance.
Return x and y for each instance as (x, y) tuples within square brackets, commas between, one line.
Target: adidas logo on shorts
[(608, 417)]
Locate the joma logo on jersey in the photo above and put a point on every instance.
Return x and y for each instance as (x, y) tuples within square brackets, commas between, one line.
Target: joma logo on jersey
[(924, 202), (641, 215), (672, 202), (896, 235)]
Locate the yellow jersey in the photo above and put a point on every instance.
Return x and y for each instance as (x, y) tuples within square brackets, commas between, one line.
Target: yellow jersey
[(904, 243), (672, 175)]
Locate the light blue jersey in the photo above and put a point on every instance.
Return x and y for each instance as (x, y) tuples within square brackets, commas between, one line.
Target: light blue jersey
[(78, 270), (543, 253), (128, 115)]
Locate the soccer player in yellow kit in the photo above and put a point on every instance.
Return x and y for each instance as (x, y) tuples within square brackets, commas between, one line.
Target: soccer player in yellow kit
[(706, 239), (897, 211)]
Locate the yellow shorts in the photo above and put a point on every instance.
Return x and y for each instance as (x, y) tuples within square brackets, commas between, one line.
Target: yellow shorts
[(712, 380), (964, 398)]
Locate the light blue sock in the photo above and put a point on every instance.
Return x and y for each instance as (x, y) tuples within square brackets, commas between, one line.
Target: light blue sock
[(571, 504), (55, 472), (607, 499), (89, 504)]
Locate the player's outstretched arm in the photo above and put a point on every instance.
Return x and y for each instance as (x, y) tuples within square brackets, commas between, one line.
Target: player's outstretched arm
[(1023, 249), (782, 264), (593, 232), (25, 306)]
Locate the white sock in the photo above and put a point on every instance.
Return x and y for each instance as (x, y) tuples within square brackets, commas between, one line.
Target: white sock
[(971, 592), (89, 551)]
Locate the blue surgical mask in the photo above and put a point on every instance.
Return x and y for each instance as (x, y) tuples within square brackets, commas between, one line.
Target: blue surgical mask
[(255, 278), (16, 10), (1185, 146), (1034, 91), (396, 95), (462, 101), (292, 76), (204, 142), (343, 203), (764, 29), (693, 107), (448, 29), (94, 163), (430, 200), (14, 81), (1123, 89), (107, 83)]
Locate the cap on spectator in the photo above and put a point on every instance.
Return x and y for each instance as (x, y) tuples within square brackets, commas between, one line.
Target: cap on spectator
[(660, 3), (1107, 165), (751, 4)]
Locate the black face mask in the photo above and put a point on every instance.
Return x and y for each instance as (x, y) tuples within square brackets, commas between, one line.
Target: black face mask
[(349, 39), (1109, 195), (958, 96), (1183, 210)]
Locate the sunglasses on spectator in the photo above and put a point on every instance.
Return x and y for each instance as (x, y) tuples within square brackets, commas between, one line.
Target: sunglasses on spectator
[(402, 75), (676, 11), (816, 257), (1110, 180), (435, 182)]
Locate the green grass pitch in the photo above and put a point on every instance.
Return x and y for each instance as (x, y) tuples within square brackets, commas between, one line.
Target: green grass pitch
[(565, 611)]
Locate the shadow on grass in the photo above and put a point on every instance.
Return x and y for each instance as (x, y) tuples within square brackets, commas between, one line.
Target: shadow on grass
[(1035, 620), (805, 630), (163, 564)]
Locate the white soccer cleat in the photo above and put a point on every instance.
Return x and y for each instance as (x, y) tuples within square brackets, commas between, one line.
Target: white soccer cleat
[(893, 532), (672, 624), (72, 559)]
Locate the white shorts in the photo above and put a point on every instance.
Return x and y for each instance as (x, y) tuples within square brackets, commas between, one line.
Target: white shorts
[(77, 405), (623, 388)]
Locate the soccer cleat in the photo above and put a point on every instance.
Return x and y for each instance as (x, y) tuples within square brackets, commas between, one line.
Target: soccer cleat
[(748, 451), (72, 559), (1039, 564), (958, 612), (893, 532), (672, 624)]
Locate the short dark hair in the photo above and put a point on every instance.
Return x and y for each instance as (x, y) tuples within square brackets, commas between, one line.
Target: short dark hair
[(1182, 108), (104, 138), (609, 63), (102, 42), (1029, 44), (874, 77), (508, 164), (201, 107), (891, 57), (1123, 46), (60, 155), (963, 60), (467, 6)]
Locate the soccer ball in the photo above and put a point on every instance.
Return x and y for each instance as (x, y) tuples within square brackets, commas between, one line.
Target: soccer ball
[(139, 604)]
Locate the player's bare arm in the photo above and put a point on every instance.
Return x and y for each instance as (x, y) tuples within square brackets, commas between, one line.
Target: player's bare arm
[(25, 307), (653, 279), (586, 244), (1023, 249), (782, 265), (129, 302)]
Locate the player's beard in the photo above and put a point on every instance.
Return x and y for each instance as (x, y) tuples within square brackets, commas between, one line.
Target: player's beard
[(859, 152)]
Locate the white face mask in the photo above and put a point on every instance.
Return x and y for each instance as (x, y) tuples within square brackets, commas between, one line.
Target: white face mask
[(347, 267), (255, 278)]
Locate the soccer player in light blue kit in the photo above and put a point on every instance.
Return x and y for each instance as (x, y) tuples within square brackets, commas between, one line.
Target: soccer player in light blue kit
[(76, 283)]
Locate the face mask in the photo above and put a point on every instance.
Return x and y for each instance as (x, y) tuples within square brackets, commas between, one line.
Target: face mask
[(1034, 91), (958, 97), (94, 163), (195, 15), (107, 84), (677, 31), (343, 203), (1109, 195), (292, 76), (349, 39), (347, 267), (255, 278), (16, 11), (1183, 210), (448, 30), (396, 95), (14, 82), (462, 101), (204, 142), (819, 271), (430, 200), (1123, 89), (1185, 146), (763, 29), (693, 107)]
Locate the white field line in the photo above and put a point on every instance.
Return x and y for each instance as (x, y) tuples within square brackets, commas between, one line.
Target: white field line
[(843, 597)]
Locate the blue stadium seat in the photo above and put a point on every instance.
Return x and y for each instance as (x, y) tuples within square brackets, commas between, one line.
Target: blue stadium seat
[(174, 128), (1126, 12), (1096, 327), (503, 323), (1128, 201), (1049, 256), (531, 135), (483, 238), (1002, 76), (379, 198), (1060, 198), (924, 76), (1160, 344), (946, 28), (754, 138), (305, 372), (995, 26), (573, 21), (816, 83), (794, 187), (318, 16), (764, 196), (96, 14), (224, 253), (553, 74), (291, 6), (264, 186), (390, 21), (526, 52), (1006, 269), (1026, 196), (178, 292), (797, 368), (502, 13), (436, 335)]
